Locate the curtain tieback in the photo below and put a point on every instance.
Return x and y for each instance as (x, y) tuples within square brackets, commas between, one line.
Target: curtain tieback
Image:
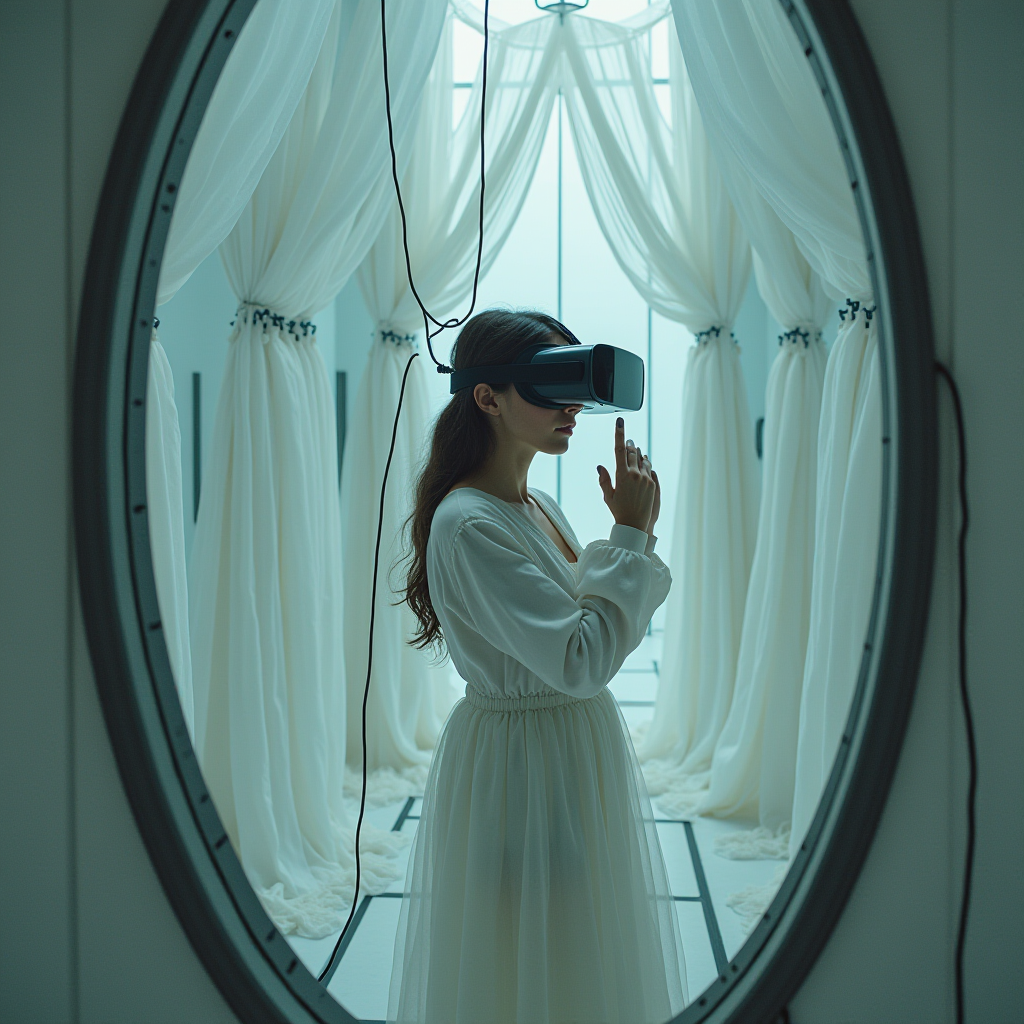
[(852, 307), (714, 331), (261, 316), (800, 334), (396, 338)]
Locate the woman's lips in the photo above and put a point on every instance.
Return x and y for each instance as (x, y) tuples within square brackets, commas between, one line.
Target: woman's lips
[(565, 430)]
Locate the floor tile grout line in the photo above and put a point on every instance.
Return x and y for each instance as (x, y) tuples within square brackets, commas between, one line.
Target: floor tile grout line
[(403, 814), (403, 817), (357, 920), (710, 918)]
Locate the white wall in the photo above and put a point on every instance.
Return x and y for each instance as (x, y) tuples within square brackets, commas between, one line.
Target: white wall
[(87, 934)]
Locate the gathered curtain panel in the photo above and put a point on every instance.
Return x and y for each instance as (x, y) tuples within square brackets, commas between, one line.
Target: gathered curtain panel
[(165, 510), (409, 697), (250, 107), (762, 104), (754, 764), (663, 207), (267, 617)]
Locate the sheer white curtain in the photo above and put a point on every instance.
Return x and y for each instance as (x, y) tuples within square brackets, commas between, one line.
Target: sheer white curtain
[(753, 767), (664, 209), (761, 102), (266, 612), (409, 697), (249, 110), (165, 509)]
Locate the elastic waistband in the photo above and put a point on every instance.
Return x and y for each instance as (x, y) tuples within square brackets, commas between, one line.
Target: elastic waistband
[(524, 702)]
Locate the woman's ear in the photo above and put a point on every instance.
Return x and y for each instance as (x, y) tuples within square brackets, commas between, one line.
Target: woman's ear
[(486, 398)]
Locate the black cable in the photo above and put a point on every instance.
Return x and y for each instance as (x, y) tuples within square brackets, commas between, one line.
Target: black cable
[(965, 700), (332, 963), (428, 317), (329, 968)]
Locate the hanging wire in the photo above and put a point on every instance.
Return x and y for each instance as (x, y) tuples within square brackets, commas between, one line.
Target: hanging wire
[(331, 965), (965, 697), (428, 317)]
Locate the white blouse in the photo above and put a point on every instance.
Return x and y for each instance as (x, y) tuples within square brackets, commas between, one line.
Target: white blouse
[(517, 616)]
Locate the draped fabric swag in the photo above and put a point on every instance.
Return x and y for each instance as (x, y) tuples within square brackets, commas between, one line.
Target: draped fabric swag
[(665, 212), (267, 604), (409, 698), (763, 107), (252, 103)]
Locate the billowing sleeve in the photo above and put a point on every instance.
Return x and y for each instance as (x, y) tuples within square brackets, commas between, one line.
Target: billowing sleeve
[(575, 645)]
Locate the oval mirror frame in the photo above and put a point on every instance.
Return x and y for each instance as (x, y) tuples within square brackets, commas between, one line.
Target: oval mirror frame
[(250, 962)]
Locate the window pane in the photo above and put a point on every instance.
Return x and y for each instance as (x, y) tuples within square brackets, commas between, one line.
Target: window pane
[(468, 48), (659, 47), (599, 305)]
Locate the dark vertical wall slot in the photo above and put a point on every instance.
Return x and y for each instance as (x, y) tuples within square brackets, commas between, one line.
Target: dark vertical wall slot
[(197, 441), (759, 436), (341, 415)]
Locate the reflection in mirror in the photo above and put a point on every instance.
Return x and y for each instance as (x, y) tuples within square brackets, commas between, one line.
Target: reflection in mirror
[(583, 812)]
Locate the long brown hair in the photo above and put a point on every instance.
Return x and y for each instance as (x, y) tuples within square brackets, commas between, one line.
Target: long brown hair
[(463, 440)]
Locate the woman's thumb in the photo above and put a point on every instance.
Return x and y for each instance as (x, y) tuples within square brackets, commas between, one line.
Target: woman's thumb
[(605, 480)]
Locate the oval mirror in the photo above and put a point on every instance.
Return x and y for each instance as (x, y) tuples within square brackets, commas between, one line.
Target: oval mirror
[(642, 784)]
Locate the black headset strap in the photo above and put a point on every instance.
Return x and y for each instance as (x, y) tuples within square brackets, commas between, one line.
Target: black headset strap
[(518, 373)]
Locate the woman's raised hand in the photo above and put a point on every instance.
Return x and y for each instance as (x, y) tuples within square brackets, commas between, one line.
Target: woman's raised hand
[(635, 498)]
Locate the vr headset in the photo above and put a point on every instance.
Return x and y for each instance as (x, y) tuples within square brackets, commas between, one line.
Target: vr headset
[(601, 378)]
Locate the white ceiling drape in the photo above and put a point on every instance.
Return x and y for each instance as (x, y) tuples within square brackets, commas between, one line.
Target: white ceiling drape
[(249, 110), (267, 605), (409, 698), (762, 104), (664, 209)]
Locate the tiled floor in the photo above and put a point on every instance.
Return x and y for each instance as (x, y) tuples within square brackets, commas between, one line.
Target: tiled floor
[(699, 879)]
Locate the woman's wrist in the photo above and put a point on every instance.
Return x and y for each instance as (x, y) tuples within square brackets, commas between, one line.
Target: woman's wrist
[(632, 524)]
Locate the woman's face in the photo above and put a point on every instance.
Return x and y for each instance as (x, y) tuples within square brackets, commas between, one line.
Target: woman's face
[(547, 430)]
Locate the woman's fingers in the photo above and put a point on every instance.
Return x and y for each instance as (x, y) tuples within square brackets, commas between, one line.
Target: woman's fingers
[(631, 454), (605, 481), (620, 445)]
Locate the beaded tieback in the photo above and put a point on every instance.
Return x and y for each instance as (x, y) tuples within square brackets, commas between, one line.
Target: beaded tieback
[(394, 338), (703, 337), (799, 334), (852, 306), (269, 320)]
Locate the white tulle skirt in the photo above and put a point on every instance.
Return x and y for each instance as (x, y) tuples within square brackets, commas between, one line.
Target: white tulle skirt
[(536, 891)]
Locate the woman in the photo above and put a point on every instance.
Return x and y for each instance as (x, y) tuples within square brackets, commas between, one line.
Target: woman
[(537, 890)]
